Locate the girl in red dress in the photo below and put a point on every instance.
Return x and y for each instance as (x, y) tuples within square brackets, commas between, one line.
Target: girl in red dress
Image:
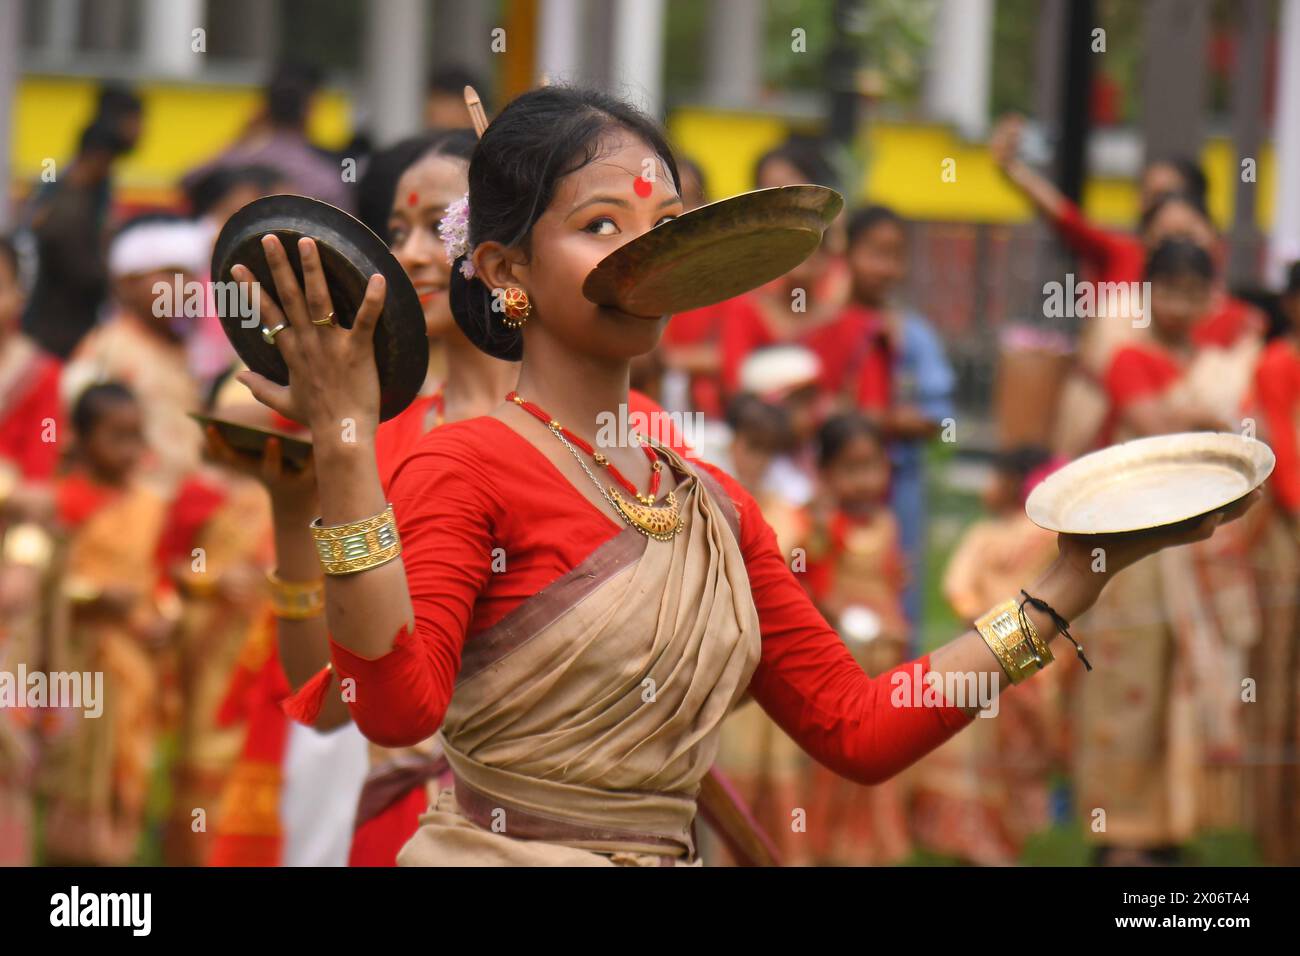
[(856, 574), (577, 639)]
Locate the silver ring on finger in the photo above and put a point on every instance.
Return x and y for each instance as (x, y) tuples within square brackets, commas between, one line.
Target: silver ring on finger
[(268, 335), (327, 320)]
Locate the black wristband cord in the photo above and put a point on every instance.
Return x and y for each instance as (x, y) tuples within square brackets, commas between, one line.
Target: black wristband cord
[(1062, 625)]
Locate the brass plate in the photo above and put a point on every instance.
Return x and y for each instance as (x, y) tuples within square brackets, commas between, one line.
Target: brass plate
[(251, 439), (714, 252), (1150, 483), (350, 253)]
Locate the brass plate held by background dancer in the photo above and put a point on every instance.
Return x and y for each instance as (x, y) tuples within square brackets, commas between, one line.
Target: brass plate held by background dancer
[(350, 254), (714, 252), (251, 439), (1150, 483)]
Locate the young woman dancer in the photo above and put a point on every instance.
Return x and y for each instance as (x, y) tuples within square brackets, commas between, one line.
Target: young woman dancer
[(418, 179), (577, 638)]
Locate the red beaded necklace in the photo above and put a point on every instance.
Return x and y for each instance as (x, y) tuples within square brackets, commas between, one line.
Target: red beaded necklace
[(656, 466)]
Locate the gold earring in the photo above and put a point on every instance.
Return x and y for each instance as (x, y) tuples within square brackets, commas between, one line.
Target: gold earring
[(514, 301)]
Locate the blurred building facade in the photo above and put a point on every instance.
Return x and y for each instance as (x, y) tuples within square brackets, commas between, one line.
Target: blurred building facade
[(731, 78)]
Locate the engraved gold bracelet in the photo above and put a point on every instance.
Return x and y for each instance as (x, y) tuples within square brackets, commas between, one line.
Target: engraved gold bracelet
[(358, 546), (296, 600), (1018, 649)]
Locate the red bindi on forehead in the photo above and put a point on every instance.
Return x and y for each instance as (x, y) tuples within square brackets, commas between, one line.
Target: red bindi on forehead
[(642, 186), (413, 199)]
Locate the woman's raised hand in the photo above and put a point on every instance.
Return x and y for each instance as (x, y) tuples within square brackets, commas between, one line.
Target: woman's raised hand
[(333, 383)]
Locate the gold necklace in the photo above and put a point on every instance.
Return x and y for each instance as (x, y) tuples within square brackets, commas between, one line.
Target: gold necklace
[(661, 522)]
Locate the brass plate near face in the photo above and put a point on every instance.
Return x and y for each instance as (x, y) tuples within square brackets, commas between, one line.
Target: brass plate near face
[(251, 440), (1150, 483), (714, 252), (350, 253)]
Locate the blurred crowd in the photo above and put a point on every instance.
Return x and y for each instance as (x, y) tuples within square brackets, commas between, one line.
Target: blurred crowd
[(128, 551)]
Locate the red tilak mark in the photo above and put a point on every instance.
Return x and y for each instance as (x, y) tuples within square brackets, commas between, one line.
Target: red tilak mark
[(412, 199), (642, 186)]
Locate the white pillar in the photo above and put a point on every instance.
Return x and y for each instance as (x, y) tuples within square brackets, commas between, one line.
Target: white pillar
[(638, 53), (1284, 243), (462, 36), (735, 57), (169, 27), (960, 75), (11, 20), (559, 46), (394, 68), (62, 19)]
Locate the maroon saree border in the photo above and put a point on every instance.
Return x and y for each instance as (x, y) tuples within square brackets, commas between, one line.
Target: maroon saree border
[(546, 607)]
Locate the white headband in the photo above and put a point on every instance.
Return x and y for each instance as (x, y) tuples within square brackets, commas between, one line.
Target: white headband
[(154, 247)]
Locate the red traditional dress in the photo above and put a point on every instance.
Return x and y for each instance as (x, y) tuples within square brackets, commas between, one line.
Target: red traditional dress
[(700, 327), (397, 791), (455, 498), (1115, 257), (852, 345), (30, 413)]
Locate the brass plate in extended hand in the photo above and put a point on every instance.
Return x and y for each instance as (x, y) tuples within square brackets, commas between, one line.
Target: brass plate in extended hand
[(1150, 483)]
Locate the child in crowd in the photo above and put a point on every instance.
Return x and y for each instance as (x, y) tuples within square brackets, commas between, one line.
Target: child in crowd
[(853, 568), (889, 362), (97, 766)]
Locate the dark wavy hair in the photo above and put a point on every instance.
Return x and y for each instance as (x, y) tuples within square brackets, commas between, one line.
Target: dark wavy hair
[(867, 218), (838, 430), (538, 139), (94, 401), (1178, 258)]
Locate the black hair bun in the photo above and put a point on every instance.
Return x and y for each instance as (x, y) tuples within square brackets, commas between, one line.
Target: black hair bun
[(471, 307)]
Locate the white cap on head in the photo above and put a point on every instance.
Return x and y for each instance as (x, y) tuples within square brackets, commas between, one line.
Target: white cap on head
[(179, 245), (776, 371)]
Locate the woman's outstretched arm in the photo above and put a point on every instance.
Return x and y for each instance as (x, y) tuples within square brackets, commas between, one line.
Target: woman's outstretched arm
[(867, 729)]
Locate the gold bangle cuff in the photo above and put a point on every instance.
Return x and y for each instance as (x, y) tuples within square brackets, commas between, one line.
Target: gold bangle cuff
[(296, 600), (1019, 650), (358, 545)]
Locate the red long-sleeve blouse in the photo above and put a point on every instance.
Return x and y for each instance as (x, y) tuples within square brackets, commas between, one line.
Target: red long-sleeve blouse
[(473, 487), (1277, 389)]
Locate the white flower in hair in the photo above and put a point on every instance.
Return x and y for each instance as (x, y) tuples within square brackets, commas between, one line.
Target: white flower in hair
[(454, 230)]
